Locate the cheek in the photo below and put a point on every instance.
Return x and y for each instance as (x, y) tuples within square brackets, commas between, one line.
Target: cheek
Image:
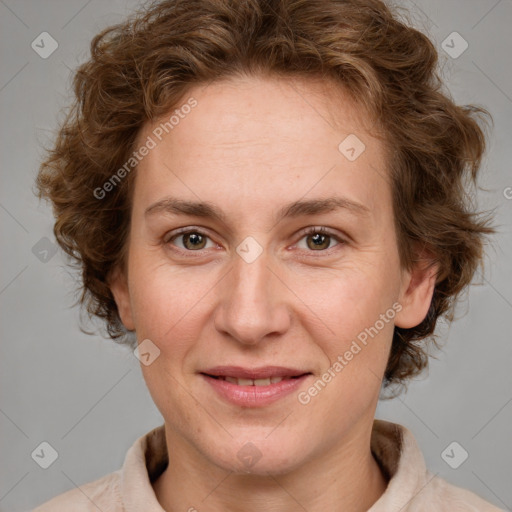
[(353, 326), (172, 308), (348, 300), (359, 311), (165, 298)]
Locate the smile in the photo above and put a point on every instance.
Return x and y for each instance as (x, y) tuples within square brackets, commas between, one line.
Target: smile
[(254, 387)]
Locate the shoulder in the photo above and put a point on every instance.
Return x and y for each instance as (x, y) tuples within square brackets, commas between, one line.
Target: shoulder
[(438, 494), (129, 486), (102, 494), (411, 487)]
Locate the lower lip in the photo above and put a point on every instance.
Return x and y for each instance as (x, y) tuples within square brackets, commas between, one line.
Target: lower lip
[(254, 396)]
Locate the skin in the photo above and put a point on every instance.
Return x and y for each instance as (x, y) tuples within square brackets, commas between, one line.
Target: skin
[(250, 146)]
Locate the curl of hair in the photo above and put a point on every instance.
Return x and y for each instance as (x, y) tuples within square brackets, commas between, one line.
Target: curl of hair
[(142, 68)]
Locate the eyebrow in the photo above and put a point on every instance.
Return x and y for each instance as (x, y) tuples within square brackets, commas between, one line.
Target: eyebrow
[(295, 209)]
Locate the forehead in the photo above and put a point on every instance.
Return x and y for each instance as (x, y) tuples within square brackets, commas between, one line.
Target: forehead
[(256, 109), (254, 140)]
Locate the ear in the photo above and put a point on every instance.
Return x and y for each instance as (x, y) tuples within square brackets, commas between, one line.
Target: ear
[(416, 292), (118, 284)]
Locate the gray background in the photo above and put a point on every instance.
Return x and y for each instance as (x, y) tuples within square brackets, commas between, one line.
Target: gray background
[(85, 395)]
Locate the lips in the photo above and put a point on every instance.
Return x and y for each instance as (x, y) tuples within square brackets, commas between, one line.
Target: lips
[(254, 387), (263, 376)]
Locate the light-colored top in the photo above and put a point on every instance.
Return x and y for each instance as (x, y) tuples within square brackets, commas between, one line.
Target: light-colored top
[(411, 488)]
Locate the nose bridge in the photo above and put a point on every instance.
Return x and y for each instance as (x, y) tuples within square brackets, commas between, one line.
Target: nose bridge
[(252, 303)]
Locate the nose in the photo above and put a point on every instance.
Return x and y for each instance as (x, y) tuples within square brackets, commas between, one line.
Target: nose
[(252, 305)]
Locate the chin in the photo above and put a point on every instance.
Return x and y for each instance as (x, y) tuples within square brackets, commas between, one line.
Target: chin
[(260, 456)]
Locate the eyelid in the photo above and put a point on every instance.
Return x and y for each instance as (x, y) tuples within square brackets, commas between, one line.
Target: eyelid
[(323, 230), (183, 231)]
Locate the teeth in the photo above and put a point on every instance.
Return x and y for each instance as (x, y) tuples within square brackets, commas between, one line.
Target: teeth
[(255, 382), (262, 382)]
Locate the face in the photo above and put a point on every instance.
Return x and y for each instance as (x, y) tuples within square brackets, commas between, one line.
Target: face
[(257, 242)]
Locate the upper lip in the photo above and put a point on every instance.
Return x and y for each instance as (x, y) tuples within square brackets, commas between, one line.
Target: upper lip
[(263, 372)]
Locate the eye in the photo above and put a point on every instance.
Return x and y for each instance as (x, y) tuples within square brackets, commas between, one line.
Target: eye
[(191, 239), (319, 239)]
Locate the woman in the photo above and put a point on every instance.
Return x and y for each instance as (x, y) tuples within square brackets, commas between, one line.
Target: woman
[(267, 199)]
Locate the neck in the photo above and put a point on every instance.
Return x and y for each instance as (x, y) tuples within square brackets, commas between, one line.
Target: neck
[(347, 478)]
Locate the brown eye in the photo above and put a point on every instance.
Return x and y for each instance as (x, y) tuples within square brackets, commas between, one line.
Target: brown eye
[(190, 240), (194, 241), (319, 239)]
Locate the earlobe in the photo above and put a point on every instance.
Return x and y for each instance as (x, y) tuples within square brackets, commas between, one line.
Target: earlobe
[(416, 295), (118, 284)]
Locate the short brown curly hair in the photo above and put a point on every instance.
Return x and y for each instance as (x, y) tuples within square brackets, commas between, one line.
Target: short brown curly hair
[(139, 70)]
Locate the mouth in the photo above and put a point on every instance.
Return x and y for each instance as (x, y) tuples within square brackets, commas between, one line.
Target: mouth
[(239, 381), (256, 387)]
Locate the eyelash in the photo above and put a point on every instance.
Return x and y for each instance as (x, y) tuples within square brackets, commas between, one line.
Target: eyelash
[(309, 231)]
